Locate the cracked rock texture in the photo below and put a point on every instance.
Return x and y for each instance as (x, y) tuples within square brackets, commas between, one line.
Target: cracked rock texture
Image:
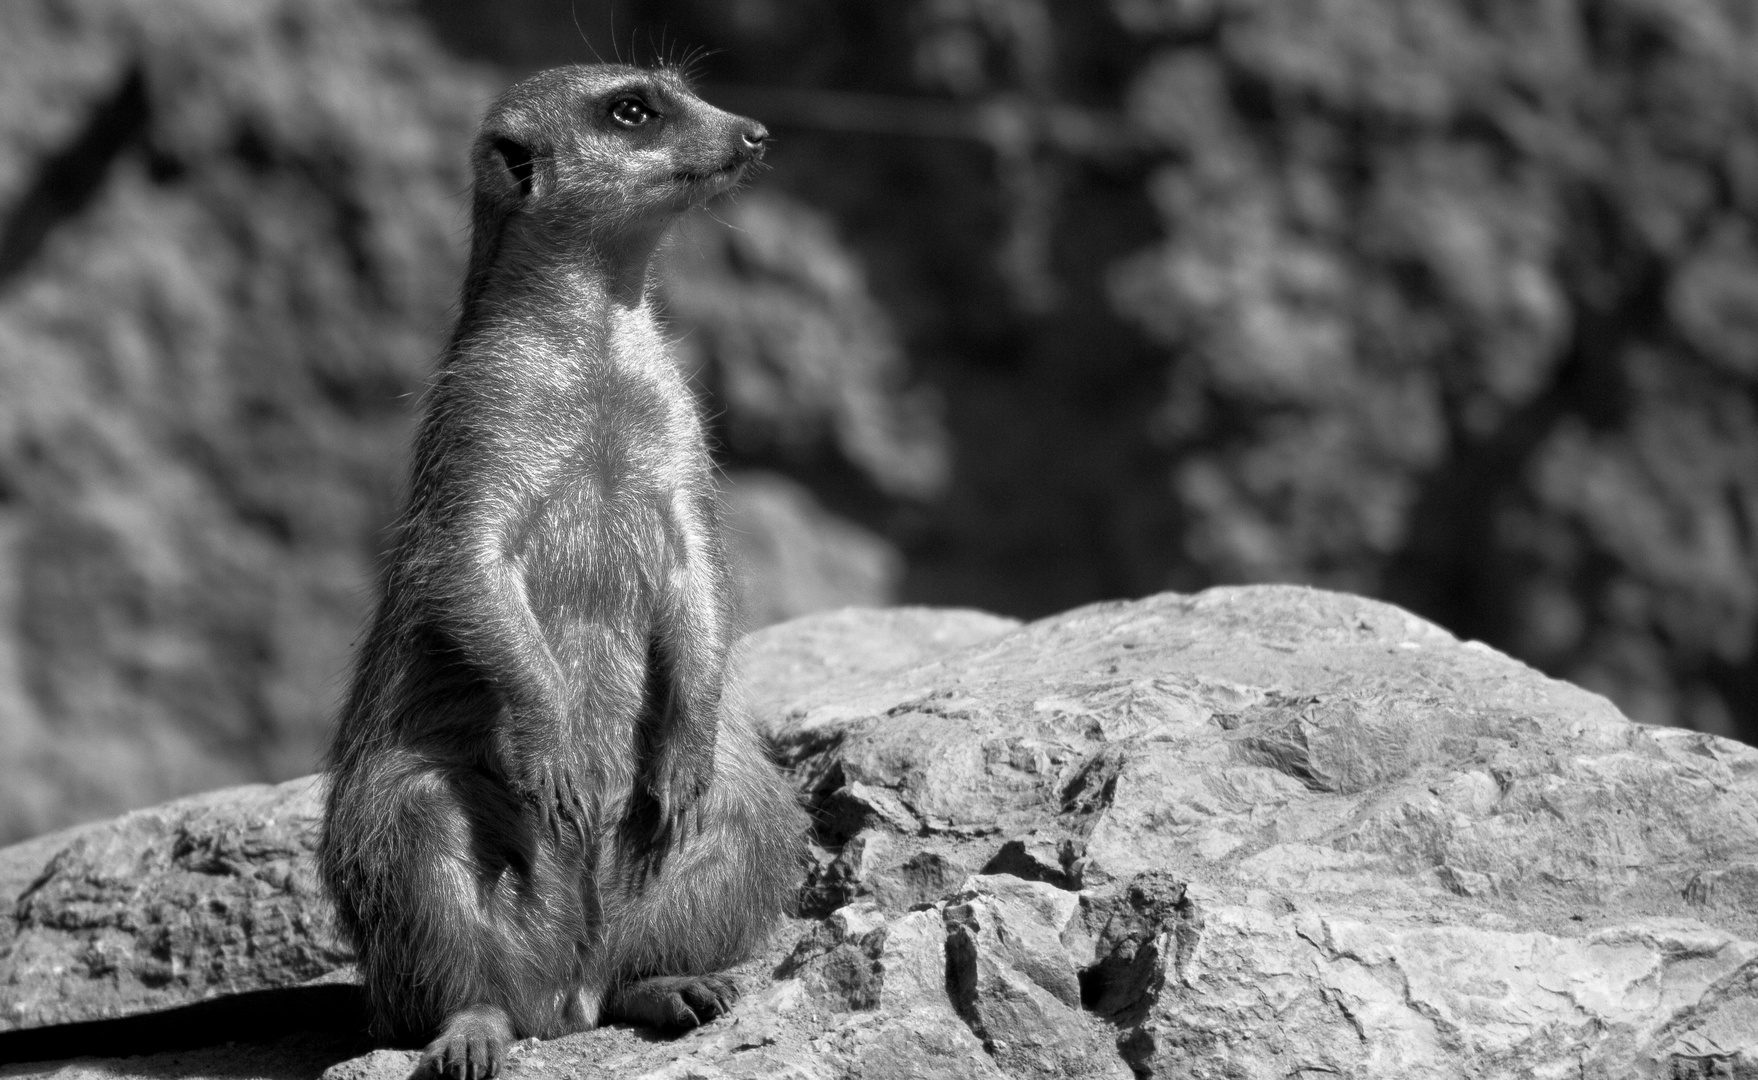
[(1256, 832), (201, 897)]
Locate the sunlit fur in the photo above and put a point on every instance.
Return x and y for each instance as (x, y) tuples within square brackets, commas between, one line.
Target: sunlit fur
[(543, 801)]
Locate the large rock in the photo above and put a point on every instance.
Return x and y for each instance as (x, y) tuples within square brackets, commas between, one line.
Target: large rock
[(1257, 832), (1390, 853), (205, 896)]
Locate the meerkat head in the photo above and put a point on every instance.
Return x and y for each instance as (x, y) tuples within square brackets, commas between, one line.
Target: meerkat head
[(608, 147)]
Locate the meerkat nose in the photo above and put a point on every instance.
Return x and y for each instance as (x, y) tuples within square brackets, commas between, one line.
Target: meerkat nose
[(755, 137)]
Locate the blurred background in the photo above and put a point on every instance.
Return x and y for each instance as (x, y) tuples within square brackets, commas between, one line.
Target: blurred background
[(1448, 302)]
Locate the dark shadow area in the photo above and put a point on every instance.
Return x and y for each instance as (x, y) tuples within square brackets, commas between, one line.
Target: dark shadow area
[(525, 35), (257, 1016), (68, 181)]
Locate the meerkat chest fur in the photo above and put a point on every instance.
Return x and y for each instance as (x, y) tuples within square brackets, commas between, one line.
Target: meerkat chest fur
[(588, 460), (589, 395), (562, 451)]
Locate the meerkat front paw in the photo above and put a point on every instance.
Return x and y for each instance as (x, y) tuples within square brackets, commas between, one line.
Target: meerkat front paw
[(553, 796), (678, 779)]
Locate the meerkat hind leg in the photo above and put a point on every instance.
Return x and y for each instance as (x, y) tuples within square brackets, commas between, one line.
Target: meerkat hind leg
[(480, 963), (673, 1002), (473, 1045)]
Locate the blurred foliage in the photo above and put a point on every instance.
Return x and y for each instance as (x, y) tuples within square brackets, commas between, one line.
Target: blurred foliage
[(1453, 302)]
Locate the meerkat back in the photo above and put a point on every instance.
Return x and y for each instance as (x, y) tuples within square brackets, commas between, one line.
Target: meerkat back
[(543, 809)]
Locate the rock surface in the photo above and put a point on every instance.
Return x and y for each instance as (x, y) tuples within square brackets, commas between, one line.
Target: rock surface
[(1257, 832), (205, 896)]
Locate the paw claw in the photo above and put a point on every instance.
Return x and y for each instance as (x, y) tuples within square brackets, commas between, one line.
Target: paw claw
[(710, 997), (677, 1002), (678, 783), (555, 801)]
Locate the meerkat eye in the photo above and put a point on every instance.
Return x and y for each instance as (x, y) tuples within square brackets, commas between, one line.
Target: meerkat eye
[(630, 112)]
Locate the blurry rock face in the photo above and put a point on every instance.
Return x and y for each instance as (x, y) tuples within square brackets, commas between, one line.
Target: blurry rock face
[(1481, 279), (791, 557), (233, 234), (778, 318), (229, 236), (1444, 301), (1253, 833)]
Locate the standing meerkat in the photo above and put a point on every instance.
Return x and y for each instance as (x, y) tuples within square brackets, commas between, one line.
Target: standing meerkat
[(543, 811)]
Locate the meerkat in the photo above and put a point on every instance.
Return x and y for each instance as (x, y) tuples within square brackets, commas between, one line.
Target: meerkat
[(545, 810)]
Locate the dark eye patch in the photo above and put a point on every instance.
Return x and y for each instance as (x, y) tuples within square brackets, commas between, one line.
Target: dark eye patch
[(518, 162)]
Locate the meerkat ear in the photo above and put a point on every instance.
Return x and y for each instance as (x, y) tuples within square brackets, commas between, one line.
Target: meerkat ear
[(517, 159)]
